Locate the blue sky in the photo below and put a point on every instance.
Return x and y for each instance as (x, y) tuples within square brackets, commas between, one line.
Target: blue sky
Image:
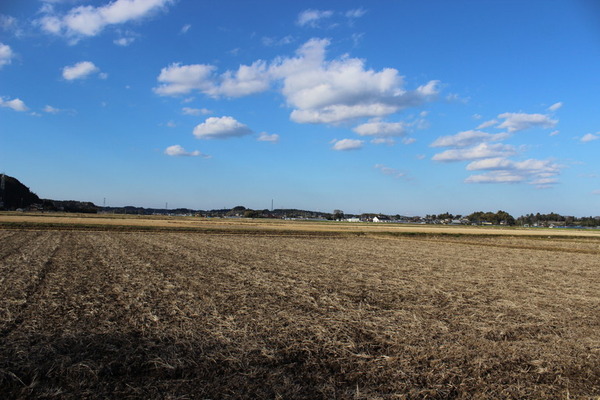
[(409, 107)]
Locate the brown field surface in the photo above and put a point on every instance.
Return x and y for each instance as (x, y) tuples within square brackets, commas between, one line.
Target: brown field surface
[(212, 315), (244, 225)]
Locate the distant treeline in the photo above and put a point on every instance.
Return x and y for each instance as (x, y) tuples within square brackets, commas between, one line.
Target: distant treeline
[(15, 196)]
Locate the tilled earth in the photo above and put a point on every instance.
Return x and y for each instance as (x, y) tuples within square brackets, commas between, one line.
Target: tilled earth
[(210, 316)]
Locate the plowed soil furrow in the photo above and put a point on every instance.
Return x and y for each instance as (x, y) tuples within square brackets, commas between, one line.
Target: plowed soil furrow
[(190, 315), (12, 242), (22, 275)]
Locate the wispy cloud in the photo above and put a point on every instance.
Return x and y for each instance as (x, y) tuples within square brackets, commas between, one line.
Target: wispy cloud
[(265, 137), (482, 150), (520, 121), (195, 111), (393, 172), (178, 151), (185, 29), (555, 106), (347, 144), (468, 138), (539, 173), (313, 17)]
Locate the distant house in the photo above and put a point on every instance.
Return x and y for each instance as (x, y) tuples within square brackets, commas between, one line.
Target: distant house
[(353, 219), (381, 218)]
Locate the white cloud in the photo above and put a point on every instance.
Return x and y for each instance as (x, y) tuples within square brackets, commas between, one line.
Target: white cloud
[(539, 173), (519, 121), (495, 177), (265, 137), (6, 54), (355, 13), (554, 133), (248, 79), (80, 70), (51, 110), (124, 41), (381, 129), (390, 171), (272, 41), (195, 111), (312, 17), (482, 150), (347, 144), (384, 140), (487, 124), (324, 91), (89, 20), (178, 151), (589, 137), (408, 141), (555, 106), (468, 138), (7, 22), (179, 79), (14, 104), (220, 128), (596, 192), (318, 90), (185, 29)]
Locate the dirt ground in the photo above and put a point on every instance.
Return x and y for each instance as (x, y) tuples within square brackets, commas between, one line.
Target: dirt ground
[(192, 315), (92, 221)]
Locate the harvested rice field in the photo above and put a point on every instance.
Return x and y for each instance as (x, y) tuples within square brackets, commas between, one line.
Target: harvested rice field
[(200, 315)]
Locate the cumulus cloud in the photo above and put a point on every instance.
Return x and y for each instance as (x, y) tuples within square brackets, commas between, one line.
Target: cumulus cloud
[(6, 54), (468, 138), (312, 17), (590, 137), (482, 150), (318, 90), (248, 79), (88, 20), (555, 106), (393, 172), (265, 137), (14, 104), (514, 122), (347, 144), (539, 173), (177, 79), (195, 111), (322, 91), (221, 128), (81, 70), (178, 151), (381, 129)]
